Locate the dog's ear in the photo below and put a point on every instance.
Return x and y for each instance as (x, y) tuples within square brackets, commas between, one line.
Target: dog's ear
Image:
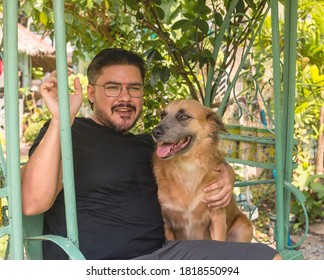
[(212, 116)]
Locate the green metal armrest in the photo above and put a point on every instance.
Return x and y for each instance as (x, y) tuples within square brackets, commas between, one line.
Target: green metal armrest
[(33, 237)]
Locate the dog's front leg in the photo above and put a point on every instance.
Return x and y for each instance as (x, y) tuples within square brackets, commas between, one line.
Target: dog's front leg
[(218, 225), (169, 234)]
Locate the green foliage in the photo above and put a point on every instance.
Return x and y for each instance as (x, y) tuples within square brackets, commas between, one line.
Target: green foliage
[(314, 194), (309, 96), (37, 73), (263, 196), (177, 38), (310, 88), (33, 118), (32, 130), (3, 246)]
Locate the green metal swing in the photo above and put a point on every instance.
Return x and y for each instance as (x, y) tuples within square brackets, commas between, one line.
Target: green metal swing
[(25, 233)]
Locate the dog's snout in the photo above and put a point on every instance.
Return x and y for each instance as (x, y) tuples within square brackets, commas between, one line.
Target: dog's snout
[(158, 132)]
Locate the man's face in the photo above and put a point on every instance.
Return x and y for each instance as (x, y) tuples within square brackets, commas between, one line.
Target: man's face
[(121, 112)]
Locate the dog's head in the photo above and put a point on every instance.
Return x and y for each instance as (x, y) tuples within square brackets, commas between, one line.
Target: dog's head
[(184, 124)]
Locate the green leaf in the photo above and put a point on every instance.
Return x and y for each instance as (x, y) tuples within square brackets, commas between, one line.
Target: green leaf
[(188, 53), (190, 16), (38, 5), (318, 188), (174, 71), (28, 8), (318, 79), (155, 78), (139, 15), (183, 24), (201, 24), (152, 55), (240, 7), (132, 4), (295, 208), (160, 12), (89, 4), (174, 14), (149, 57), (218, 19), (165, 74), (251, 4), (43, 18), (107, 4), (202, 9), (196, 36), (202, 61), (322, 214)]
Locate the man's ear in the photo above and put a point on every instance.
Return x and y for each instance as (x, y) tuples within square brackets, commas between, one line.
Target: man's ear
[(213, 116), (90, 92)]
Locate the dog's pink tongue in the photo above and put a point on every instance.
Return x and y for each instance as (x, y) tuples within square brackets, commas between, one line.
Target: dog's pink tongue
[(163, 150)]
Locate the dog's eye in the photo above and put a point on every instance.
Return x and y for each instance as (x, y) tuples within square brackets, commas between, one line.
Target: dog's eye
[(163, 114), (183, 117)]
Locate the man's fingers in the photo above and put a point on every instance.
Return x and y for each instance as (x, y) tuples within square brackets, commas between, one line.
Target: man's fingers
[(46, 86), (77, 86), (224, 201), (219, 193), (220, 199), (216, 196), (222, 185), (212, 187), (53, 74), (77, 97)]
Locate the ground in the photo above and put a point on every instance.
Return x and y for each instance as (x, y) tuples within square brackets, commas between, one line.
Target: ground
[(313, 246)]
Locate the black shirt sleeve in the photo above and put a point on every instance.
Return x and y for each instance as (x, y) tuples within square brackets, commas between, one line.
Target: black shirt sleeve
[(38, 138)]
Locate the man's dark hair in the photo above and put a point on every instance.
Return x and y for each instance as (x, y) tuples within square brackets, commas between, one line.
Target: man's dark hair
[(113, 56)]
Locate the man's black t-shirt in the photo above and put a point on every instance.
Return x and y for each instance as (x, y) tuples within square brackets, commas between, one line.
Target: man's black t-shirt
[(118, 213)]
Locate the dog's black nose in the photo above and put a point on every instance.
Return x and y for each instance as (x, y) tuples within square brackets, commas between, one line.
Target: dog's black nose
[(158, 132)]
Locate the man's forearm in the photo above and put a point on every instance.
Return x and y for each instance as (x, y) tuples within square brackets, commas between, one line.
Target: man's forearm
[(41, 175)]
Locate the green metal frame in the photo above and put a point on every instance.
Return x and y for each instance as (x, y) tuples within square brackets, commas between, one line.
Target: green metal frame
[(30, 232), (26, 232)]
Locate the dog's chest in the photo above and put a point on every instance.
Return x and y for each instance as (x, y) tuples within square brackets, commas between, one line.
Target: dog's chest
[(181, 188), (189, 222), (184, 206), (180, 191), (185, 211)]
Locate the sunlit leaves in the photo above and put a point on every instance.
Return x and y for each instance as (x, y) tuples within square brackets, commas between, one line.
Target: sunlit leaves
[(38, 5), (316, 77), (43, 18)]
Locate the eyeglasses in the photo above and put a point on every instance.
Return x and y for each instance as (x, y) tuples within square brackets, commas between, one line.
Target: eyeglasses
[(114, 89)]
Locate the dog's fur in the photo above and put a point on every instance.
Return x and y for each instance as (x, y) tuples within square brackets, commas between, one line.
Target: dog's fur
[(185, 162)]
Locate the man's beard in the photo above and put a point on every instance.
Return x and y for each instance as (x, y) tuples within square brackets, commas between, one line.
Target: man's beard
[(120, 126)]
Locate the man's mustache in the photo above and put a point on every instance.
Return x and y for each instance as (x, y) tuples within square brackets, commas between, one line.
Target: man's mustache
[(123, 105)]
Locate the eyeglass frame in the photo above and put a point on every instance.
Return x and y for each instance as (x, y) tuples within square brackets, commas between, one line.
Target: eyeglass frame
[(121, 88)]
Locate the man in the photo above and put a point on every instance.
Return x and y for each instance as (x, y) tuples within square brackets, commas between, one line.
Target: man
[(119, 216)]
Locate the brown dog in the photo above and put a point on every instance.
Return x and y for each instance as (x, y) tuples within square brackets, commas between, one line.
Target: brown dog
[(185, 160)]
